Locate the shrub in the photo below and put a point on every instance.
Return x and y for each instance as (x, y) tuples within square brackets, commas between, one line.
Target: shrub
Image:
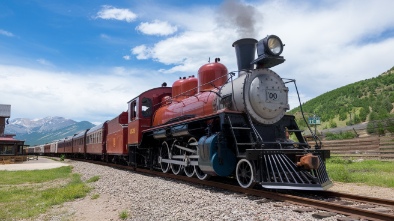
[(340, 136), (371, 127)]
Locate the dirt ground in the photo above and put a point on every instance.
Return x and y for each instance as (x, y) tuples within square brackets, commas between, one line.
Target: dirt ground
[(87, 209)]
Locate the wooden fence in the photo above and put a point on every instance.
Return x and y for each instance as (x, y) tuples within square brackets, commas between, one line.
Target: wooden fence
[(366, 147)]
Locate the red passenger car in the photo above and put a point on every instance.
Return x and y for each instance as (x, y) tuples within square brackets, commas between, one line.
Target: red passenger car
[(61, 146), (47, 148), (117, 139), (68, 145), (79, 143), (96, 141)]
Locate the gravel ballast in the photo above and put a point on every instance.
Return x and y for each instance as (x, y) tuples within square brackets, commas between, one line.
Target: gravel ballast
[(143, 197)]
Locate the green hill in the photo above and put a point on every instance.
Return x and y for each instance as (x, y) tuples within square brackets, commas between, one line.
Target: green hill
[(366, 100)]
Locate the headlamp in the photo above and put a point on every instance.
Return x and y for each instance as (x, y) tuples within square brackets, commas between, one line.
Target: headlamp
[(273, 45), (268, 51)]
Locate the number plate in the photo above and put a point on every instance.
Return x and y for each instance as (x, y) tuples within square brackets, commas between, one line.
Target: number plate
[(273, 96)]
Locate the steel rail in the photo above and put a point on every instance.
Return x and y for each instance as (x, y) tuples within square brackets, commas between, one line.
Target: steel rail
[(358, 198)]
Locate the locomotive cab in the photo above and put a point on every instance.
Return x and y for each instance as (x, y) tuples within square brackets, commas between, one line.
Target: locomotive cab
[(141, 111)]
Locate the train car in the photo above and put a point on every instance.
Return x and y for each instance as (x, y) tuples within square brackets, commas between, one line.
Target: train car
[(53, 147), (61, 145), (232, 126), (47, 148), (116, 145), (96, 139), (68, 146), (39, 150), (79, 144)]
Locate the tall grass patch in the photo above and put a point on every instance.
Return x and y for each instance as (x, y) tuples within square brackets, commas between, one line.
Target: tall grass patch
[(27, 197), (370, 172), (33, 176)]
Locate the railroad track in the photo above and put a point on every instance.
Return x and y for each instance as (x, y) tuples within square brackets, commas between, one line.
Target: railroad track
[(357, 207)]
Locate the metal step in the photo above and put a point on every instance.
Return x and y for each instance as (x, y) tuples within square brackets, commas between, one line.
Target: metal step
[(246, 143), (240, 128), (295, 131)]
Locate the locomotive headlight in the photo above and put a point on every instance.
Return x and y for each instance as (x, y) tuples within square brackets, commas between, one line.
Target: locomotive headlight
[(273, 45), (268, 51)]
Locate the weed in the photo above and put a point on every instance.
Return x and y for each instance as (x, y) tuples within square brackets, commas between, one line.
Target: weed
[(123, 215), (95, 196), (93, 179)]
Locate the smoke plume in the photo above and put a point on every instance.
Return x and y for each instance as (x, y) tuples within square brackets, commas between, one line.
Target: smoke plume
[(239, 16)]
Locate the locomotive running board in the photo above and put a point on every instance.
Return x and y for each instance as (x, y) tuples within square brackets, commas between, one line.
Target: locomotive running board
[(277, 169)]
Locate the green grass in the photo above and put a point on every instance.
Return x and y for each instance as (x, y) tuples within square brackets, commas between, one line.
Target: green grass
[(33, 176), (369, 172), (93, 179), (123, 215), (26, 194)]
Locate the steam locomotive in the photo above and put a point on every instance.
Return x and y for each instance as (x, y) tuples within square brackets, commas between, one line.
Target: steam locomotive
[(216, 124)]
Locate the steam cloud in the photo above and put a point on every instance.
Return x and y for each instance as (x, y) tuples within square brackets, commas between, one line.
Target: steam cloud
[(238, 15)]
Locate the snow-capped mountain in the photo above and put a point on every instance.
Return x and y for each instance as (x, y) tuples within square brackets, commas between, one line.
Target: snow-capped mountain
[(41, 131), (27, 126)]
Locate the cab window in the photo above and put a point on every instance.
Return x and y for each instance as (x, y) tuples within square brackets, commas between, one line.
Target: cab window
[(146, 107), (133, 110)]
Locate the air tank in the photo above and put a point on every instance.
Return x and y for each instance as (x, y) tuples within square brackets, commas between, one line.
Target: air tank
[(189, 86), (177, 89)]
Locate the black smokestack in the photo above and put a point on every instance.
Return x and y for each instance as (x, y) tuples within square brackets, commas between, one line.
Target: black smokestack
[(245, 50)]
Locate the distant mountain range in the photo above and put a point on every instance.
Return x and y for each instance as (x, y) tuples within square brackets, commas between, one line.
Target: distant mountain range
[(41, 131)]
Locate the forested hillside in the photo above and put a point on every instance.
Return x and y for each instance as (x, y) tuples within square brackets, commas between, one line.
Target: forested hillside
[(366, 100)]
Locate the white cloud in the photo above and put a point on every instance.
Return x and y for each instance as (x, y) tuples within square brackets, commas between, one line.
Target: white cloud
[(142, 52), (110, 12), (35, 93), (6, 33), (156, 27), (127, 57)]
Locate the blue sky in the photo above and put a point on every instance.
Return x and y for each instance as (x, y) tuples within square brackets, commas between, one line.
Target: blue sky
[(84, 60)]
